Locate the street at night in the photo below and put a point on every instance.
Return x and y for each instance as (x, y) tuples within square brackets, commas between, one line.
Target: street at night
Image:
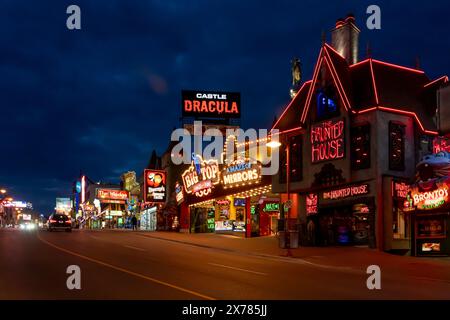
[(216, 159), (125, 265)]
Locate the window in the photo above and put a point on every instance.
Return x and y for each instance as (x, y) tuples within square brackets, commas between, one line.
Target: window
[(360, 147), (396, 146), (295, 155), (326, 105)]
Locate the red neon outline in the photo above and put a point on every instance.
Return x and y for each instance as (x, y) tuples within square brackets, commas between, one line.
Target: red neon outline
[(335, 78), (339, 80), (408, 113), (290, 103), (311, 88), (286, 131), (377, 101), (338, 84), (367, 110), (397, 66), (359, 63), (445, 78), (330, 47)]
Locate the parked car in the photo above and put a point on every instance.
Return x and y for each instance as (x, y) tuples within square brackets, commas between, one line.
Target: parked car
[(59, 222)]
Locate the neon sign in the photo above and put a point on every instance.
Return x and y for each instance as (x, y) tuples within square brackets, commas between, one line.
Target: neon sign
[(241, 172), (111, 194), (346, 192), (179, 196), (211, 104), (311, 204), (201, 176), (327, 140), (400, 190), (271, 207), (428, 200), (155, 185), (441, 144)]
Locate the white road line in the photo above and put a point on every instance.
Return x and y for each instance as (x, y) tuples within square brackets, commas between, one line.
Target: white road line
[(239, 269), (135, 248)]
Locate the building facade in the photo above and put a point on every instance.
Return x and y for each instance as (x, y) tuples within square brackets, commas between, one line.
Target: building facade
[(355, 133)]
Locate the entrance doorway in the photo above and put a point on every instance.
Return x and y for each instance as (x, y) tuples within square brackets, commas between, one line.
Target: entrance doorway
[(345, 225)]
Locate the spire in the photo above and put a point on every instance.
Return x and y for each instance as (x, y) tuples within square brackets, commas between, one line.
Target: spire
[(323, 37), (153, 162), (368, 50), (417, 62), (275, 119)]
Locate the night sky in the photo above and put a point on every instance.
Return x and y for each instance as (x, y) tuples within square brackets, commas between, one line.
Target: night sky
[(100, 99)]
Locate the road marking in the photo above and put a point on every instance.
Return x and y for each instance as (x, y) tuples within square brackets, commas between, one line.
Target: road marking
[(239, 269), (230, 236), (126, 271), (134, 248)]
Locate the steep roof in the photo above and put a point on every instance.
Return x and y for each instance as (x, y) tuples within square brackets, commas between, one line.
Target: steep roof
[(290, 118), (366, 85)]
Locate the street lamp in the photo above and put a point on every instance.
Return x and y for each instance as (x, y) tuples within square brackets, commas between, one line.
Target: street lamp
[(2, 191), (273, 145)]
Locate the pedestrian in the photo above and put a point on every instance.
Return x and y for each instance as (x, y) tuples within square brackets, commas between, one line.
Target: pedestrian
[(134, 222)]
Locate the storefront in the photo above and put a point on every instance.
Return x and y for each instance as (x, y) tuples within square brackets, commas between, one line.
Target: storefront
[(113, 207), (243, 214), (340, 216), (350, 140), (148, 219), (430, 217), (228, 198)]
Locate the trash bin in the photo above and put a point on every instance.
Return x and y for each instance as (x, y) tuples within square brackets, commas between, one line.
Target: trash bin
[(293, 236), (282, 239)]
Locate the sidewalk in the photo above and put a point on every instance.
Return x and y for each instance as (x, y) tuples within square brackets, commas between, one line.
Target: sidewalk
[(352, 258)]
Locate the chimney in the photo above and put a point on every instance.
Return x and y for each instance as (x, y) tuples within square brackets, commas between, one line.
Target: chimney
[(345, 38)]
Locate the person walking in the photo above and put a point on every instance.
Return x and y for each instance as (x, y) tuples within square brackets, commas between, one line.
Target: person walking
[(134, 222)]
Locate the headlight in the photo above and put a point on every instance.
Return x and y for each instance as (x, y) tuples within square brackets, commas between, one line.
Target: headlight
[(30, 226), (22, 226)]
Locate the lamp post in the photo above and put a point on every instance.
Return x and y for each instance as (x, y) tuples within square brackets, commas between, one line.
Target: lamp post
[(274, 145)]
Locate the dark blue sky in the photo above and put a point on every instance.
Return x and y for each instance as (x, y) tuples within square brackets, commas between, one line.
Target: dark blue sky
[(100, 99)]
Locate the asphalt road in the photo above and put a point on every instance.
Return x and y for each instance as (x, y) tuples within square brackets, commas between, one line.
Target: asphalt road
[(125, 265)]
